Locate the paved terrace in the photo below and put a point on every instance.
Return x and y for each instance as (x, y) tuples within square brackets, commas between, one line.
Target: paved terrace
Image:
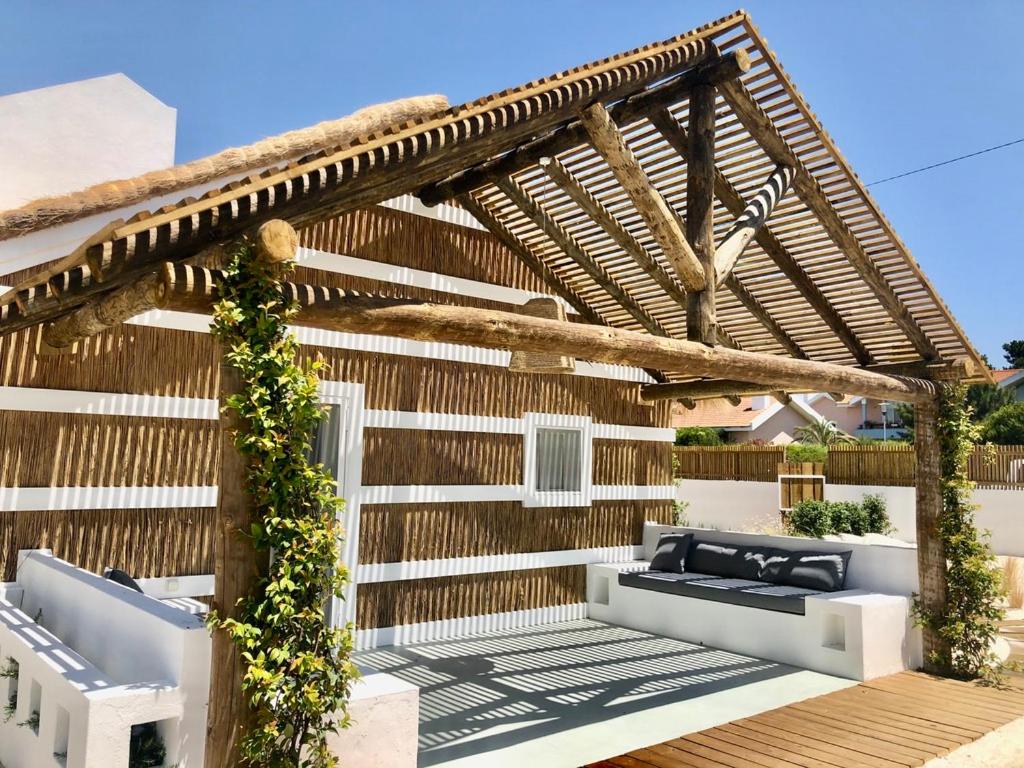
[(566, 694)]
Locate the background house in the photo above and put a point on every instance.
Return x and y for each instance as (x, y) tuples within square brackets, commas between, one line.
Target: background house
[(764, 419), (1011, 379)]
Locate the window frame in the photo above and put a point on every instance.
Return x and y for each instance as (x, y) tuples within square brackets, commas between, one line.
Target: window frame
[(584, 426)]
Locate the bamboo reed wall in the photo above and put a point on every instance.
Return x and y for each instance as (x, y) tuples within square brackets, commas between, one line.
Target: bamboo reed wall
[(144, 542), (54, 449), (420, 457), (990, 466), (388, 604), (410, 240), (68, 449), (391, 533)]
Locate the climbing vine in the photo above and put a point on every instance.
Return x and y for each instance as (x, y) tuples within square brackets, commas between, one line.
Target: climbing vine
[(298, 670), (975, 593)]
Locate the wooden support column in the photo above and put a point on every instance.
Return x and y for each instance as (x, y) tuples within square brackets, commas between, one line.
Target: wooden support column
[(700, 213), (931, 551), (238, 566)]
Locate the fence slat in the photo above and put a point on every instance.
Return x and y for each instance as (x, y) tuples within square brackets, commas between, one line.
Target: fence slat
[(990, 466)]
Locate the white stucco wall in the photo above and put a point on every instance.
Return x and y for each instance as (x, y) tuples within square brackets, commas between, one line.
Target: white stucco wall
[(67, 137), (747, 506)]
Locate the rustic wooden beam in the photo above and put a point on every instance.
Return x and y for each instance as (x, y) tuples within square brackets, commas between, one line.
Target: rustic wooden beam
[(656, 213), (700, 213), (782, 397), (622, 237), (338, 310), (275, 242), (733, 400), (713, 70), (709, 389), (677, 137), (754, 307), (596, 210), (753, 217), (687, 403), (957, 369), (762, 128), (106, 311), (566, 243), (931, 551)]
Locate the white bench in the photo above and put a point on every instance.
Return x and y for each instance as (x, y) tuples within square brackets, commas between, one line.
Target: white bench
[(857, 633)]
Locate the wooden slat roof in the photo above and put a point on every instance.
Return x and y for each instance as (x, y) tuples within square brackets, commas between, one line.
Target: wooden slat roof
[(410, 157)]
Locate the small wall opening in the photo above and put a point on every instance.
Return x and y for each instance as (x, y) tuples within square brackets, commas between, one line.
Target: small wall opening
[(60, 737), (34, 704), (834, 632), (9, 689), (600, 590), (149, 742)]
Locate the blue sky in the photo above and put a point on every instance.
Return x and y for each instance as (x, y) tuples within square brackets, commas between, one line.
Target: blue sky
[(898, 85)]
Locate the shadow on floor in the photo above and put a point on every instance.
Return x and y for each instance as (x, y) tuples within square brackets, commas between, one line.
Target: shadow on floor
[(495, 690)]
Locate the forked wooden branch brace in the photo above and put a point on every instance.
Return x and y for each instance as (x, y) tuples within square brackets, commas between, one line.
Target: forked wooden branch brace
[(659, 218), (757, 212)]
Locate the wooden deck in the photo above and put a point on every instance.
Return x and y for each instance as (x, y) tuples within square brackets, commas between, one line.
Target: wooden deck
[(894, 722)]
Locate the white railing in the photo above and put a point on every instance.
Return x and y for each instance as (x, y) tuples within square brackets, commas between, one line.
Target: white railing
[(87, 660)]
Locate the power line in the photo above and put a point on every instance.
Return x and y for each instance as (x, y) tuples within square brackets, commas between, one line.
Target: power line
[(947, 162)]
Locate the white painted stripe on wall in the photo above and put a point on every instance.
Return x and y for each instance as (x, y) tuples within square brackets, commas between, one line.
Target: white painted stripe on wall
[(443, 212), (445, 422), (406, 494), (166, 406), (157, 497), (107, 497), (460, 566), (470, 625), (633, 492), (629, 432), (105, 403)]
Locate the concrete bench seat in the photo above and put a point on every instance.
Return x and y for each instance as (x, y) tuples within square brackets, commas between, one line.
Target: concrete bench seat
[(861, 631), (752, 594)]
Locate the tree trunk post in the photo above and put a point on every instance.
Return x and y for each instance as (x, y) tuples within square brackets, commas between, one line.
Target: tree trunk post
[(700, 208), (238, 567), (931, 550)]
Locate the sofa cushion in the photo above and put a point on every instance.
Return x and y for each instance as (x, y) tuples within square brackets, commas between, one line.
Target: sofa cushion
[(822, 571), (743, 592), (726, 559), (670, 555)]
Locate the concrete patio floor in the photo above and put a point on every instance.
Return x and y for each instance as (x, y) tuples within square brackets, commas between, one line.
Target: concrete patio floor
[(562, 695)]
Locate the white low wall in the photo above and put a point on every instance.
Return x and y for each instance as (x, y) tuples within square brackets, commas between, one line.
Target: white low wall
[(735, 505), (93, 659)]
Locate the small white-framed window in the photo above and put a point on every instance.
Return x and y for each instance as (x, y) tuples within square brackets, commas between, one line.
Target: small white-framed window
[(557, 456)]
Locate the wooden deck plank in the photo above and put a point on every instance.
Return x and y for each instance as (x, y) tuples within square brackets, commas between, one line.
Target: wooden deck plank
[(726, 736), (901, 721)]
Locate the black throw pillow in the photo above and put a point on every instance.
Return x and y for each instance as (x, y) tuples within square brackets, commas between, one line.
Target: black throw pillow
[(822, 571), (732, 561), (670, 555)]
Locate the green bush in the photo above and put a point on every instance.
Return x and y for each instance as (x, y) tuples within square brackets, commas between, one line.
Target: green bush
[(877, 515), (818, 519), (1005, 426), (800, 452), (699, 436)]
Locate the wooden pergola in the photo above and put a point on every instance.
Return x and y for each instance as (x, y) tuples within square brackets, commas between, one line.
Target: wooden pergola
[(681, 199)]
